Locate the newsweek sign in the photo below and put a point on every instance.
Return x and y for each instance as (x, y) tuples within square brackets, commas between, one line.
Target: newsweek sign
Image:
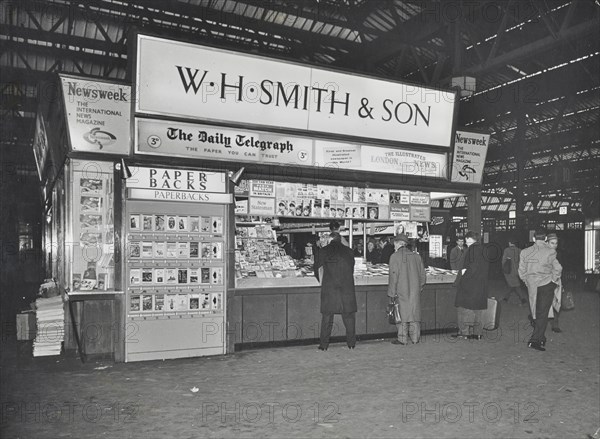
[(98, 115), (186, 80), (470, 150)]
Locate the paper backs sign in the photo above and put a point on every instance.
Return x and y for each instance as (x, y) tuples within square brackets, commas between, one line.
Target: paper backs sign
[(98, 115), (176, 179), (192, 81), (470, 150)]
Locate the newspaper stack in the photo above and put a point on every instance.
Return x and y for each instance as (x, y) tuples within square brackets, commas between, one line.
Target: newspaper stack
[(50, 317)]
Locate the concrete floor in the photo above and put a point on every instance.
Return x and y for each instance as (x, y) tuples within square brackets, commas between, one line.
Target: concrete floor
[(441, 388)]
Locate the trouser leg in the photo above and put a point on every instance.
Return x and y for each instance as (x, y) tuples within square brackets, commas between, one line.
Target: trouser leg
[(402, 332), (464, 320), (414, 331), (326, 327), (349, 319), (554, 322), (477, 326), (545, 294)]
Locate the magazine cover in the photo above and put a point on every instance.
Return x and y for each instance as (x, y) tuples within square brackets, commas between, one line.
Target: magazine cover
[(134, 249), (159, 223), (194, 301), (159, 302), (159, 275), (216, 275), (194, 249), (205, 224), (171, 275), (217, 224), (205, 301), (147, 221), (134, 222), (135, 303), (182, 223), (171, 249), (147, 250), (182, 276), (147, 302), (147, 275), (194, 224), (135, 276)]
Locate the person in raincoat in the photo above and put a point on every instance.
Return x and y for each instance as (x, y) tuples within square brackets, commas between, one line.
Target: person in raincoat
[(406, 281), (541, 271)]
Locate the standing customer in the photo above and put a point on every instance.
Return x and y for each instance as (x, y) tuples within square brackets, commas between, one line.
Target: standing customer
[(457, 254), (337, 289), (541, 272), (387, 250), (512, 253), (472, 289), (407, 278)]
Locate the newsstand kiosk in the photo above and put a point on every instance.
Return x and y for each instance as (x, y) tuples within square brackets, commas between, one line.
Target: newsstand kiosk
[(164, 258)]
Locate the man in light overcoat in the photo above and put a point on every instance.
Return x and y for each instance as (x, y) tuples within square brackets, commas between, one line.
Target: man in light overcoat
[(541, 272), (406, 281)]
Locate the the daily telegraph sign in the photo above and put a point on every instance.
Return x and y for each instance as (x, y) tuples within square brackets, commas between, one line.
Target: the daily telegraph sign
[(196, 82), (198, 141)]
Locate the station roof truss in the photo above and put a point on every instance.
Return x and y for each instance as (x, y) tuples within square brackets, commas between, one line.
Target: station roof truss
[(535, 64)]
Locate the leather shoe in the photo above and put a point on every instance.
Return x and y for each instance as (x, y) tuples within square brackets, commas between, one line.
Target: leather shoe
[(397, 342), (321, 348), (556, 330), (536, 346)]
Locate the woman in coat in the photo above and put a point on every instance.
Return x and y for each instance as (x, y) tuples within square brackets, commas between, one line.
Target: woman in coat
[(472, 289), (337, 289), (512, 253)]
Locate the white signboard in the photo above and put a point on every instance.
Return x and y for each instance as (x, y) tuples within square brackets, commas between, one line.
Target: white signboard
[(98, 115), (183, 196), (435, 246), (379, 159), (192, 81), (470, 150), (261, 206), (178, 139), (176, 180)]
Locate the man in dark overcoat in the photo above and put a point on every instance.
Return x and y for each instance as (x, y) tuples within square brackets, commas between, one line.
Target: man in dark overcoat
[(337, 289), (472, 289)]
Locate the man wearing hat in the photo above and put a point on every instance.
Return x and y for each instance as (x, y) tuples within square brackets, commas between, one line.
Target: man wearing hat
[(541, 272), (472, 289), (406, 280)]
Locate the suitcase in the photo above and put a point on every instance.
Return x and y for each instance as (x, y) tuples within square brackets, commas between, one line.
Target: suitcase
[(490, 317)]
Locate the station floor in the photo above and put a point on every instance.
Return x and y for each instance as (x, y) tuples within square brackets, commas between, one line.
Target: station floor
[(440, 388)]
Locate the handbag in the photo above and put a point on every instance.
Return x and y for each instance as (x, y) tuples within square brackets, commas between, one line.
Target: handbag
[(507, 266), (393, 312), (567, 302)]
